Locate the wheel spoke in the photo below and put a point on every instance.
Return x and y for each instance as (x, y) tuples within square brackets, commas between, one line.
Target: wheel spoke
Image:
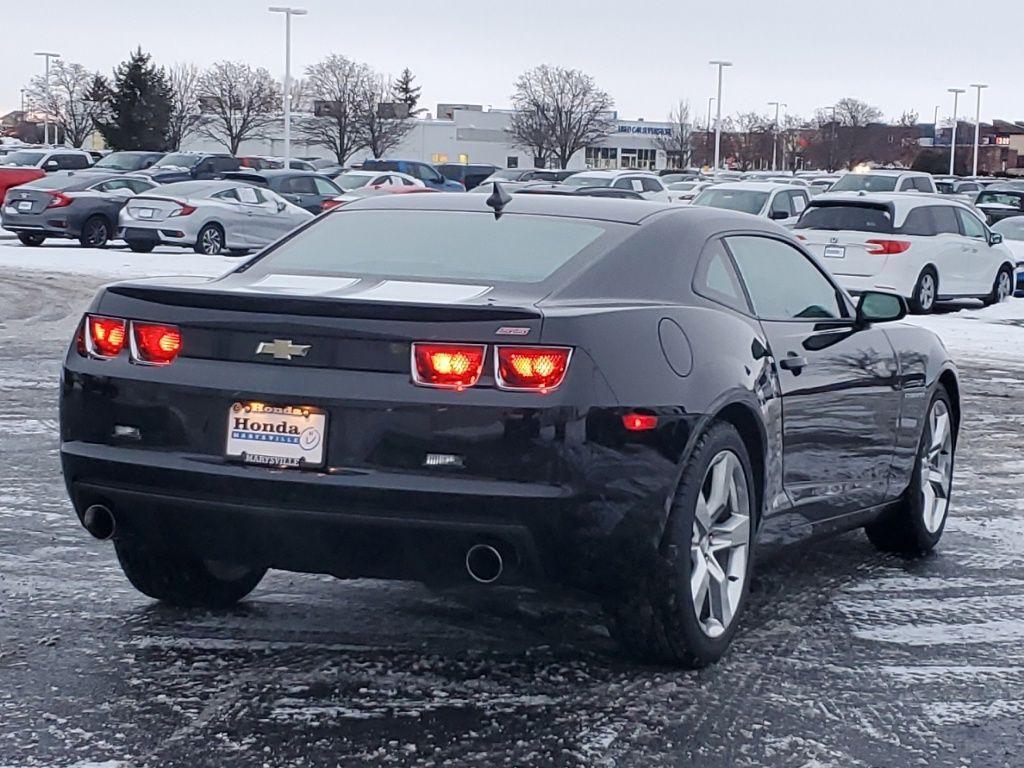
[(700, 579), (719, 495), (734, 532)]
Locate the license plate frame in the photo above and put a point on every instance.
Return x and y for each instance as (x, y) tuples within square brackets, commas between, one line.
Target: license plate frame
[(835, 252), (24, 206), (274, 443)]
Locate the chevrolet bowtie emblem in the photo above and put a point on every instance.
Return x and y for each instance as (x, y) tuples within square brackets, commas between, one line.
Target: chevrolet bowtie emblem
[(282, 349)]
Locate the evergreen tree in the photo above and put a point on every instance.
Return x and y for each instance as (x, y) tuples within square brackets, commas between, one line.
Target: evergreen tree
[(406, 92), (138, 107)]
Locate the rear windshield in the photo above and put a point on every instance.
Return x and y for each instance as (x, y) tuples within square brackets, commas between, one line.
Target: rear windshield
[(436, 245), (858, 218), (178, 160), (121, 161), (582, 180), (869, 182), (352, 180), (999, 198), (60, 181), (22, 158), (743, 200)]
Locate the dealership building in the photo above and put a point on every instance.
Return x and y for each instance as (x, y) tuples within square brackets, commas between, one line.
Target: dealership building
[(468, 133)]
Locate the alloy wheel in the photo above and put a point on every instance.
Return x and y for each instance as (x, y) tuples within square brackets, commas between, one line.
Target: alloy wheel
[(926, 293), (96, 234), (211, 242), (936, 467), (720, 545), (1004, 286)]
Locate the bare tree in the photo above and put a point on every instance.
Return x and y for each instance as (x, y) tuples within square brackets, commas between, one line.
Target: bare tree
[(677, 146), (566, 104), (792, 140), (854, 112), (71, 100), (336, 86), (184, 80), (381, 128), (908, 119), (527, 130), (751, 139), (238, 102)]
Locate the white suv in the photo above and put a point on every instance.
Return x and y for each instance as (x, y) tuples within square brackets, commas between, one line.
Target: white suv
[(782, 203), (924, 247), (648, 185), (885, 181)]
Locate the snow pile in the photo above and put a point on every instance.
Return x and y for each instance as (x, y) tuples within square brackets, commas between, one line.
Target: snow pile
[(110, 262)]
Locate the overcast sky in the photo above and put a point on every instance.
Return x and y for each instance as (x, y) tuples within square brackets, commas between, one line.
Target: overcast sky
[(894, 54)]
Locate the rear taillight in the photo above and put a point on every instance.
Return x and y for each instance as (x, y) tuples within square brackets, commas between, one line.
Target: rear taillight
[(155, 344), (452, 366), (640, 422), (60, 200), (183, 210), (886, 247), (537, 369), (328, 204), (104, 336)]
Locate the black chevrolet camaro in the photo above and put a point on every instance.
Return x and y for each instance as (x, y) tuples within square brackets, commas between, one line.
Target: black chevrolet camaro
[(620, 396)]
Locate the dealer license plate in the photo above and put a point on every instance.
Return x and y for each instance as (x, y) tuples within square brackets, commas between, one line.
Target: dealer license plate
[(24, 205), (276, 435), (146, 213), (835, 252)]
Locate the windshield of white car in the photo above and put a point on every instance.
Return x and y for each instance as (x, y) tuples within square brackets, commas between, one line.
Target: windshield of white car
[(1011, 199), (22, 158), (868, 182), (352, 180), (118, 161), (1011, 228), (743, 200), (582, 180)]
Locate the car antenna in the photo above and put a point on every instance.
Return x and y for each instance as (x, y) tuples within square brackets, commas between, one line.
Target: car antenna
[(498, 199)]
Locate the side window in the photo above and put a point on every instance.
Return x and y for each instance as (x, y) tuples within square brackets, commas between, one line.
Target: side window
[(783, 283), (72, 162), (920, 222), (249, 195), (906, 185), (970, 225), (302, 185), (944, 218), (637, 185), (221, 164), (622, 183), (138, 185), (651, 185), (406, 182), (716, 279), (780, 204), (324, 187), (228, 194), (922, 184)]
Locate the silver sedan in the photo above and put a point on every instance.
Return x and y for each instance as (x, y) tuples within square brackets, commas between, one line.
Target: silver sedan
[(209, 216)]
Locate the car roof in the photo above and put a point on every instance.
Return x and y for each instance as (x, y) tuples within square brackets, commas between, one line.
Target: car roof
[(367, 172), (613, 174), (209, 187), (899, 201), (890, 172), (756, 186)]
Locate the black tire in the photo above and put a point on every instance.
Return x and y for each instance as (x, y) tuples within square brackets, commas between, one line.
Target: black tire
[(903, 529), (923, 300), (31, 239), (184, 580), (141, 246), (210, 240), (657, 621), (1002, 286), (239, 252), (95, 232)]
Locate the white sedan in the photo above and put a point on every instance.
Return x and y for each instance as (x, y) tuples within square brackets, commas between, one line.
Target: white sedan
[(924, 247)]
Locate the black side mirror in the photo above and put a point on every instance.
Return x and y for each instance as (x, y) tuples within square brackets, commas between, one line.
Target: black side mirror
[(776, 215), (995, 238), (880, 307)]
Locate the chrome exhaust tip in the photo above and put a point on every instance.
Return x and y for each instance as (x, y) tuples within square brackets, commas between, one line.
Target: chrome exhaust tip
[(98, 520), (484, 563)]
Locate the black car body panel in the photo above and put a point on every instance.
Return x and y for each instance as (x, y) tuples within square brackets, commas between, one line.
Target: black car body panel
[(306, 189), (198, 166), (556, 479)]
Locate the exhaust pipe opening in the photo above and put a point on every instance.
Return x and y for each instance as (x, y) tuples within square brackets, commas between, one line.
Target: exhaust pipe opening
[(484, 563), (98, 520)]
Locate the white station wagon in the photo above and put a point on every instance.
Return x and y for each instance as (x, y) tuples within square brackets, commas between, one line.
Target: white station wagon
[(924, 247)]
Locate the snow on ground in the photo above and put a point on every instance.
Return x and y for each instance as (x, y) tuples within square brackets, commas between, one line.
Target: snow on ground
[(116, 262), (990, 333)]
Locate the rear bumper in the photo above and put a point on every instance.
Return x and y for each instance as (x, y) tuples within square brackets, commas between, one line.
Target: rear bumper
[(42, 224), (162, 235), (372, 524)]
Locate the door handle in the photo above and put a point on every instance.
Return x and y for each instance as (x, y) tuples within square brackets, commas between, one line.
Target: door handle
[(793, 362)]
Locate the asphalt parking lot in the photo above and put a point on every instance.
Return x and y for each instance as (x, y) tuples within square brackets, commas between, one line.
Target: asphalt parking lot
[(846, 658)]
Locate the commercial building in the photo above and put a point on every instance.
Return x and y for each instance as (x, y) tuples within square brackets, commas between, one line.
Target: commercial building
[(467, 133)]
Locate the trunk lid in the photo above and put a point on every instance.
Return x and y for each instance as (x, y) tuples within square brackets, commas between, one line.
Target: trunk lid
[(152, 208), (846, 252)]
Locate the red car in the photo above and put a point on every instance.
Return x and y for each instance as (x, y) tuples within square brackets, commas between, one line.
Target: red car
[(24, 165)]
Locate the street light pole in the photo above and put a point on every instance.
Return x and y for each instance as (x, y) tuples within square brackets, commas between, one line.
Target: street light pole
[(46, 116), (977, 126), (775, 133), (952, 142), (718, 111), (287, 96)]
